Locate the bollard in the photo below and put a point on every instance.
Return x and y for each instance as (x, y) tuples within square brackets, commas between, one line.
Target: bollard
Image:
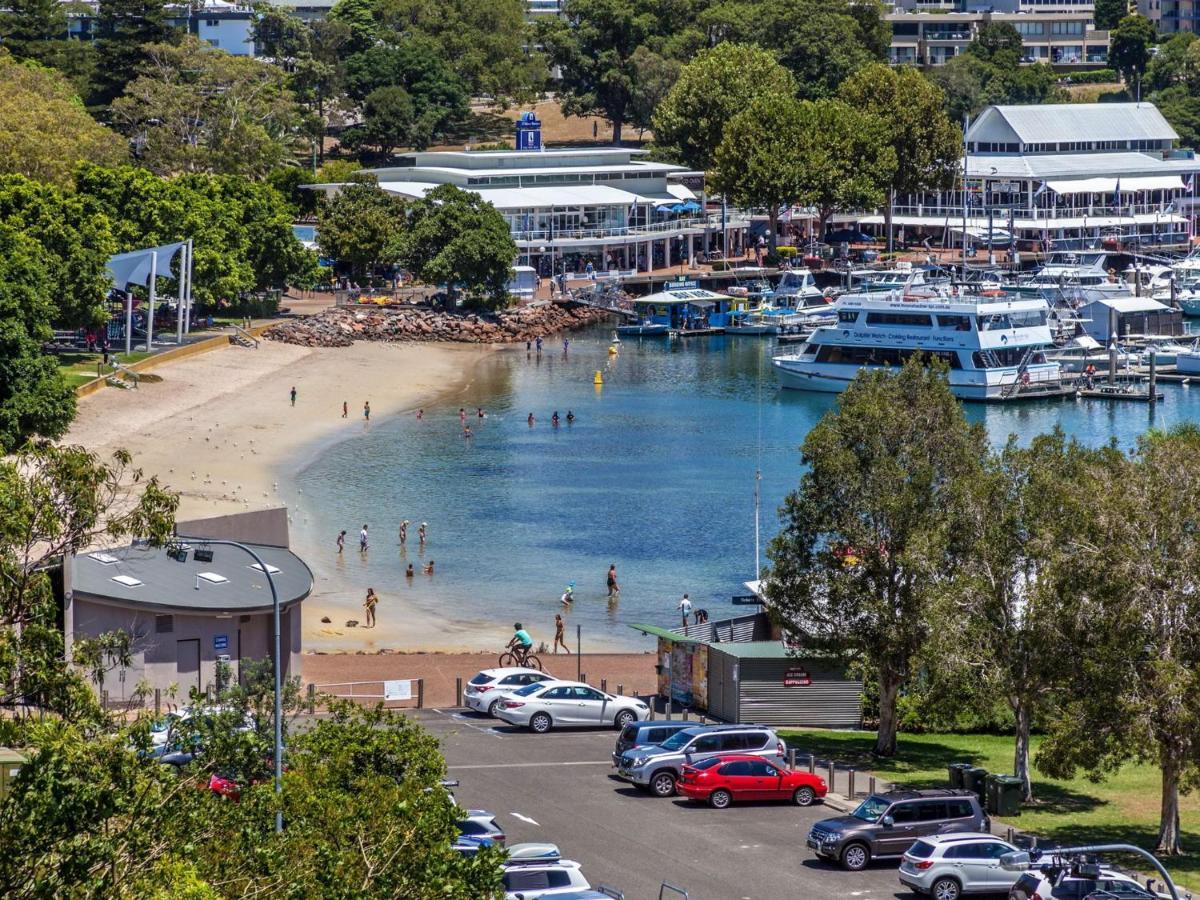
[(812, 765), (651, 704), (620, 690), (703, 719), (871, 785), (832, 774), (686, 714), (458, 691), (792, 758), (157, 702), (850, 789), (312, 699), (668, 708), (420, 693), (1009, 834), (604, 685), (583, 677)]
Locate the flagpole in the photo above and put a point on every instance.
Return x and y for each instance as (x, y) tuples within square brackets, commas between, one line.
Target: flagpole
[(966, 159)]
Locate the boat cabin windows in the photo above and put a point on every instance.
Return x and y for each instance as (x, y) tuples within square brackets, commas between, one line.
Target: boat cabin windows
[(920, 320), (1031, 318), (880, 356), (955, 323), (848, 316), (1005, 357)]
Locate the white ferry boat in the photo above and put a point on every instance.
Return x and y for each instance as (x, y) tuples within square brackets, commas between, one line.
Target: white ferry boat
[(994, 344)]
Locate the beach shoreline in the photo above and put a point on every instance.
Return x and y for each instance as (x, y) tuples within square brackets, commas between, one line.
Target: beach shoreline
[(220, 429)]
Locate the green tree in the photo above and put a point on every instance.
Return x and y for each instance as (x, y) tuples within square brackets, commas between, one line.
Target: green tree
[(593, 43), (1135, 693), (454, 237), (195, 109), (1181, 108), (971, 83), (359, 228), (821, 153), (1176, 62), (438, 97), (963, 81), (389, 120), (318, 79), (359, 17), (877, 528), (711, 89), (997, 39), (912, 111), (124, 29), (653, 76), (1109, 12), (28, 28), (44, 130), (1129, 47), (280, 34)]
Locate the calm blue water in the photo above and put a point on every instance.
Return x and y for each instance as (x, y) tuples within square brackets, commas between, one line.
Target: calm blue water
[(655, 475)]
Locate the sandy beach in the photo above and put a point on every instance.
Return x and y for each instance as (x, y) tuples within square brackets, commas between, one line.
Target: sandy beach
[(221, 431)]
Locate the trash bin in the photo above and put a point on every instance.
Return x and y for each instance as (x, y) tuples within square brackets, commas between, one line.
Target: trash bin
[(956, 771), (1004, 795), (973, 781), (10, 764)]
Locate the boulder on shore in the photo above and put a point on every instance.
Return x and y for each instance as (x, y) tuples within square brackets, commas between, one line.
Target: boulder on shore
[(341, 326)]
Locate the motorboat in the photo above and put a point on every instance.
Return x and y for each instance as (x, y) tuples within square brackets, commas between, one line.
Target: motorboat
[(902, 275), (1073, 269), (1083, 351), (995, 346), (796, 287), (644, 328), (1187, 362)]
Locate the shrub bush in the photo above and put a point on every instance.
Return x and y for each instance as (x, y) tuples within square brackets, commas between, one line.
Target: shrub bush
[(1096, 76)]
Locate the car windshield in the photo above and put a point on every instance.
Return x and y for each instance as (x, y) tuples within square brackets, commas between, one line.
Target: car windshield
[(871, 809), (529, 689), (678, 740), (481, 678), (921, 850)]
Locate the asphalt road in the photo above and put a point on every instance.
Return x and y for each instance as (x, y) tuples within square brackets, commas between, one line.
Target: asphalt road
[(559, 787)]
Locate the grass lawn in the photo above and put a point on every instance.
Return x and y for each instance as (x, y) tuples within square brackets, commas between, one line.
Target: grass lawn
[(1124, 808), (80, 368)]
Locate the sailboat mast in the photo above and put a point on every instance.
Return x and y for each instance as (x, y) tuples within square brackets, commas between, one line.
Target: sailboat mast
[(757, 567)]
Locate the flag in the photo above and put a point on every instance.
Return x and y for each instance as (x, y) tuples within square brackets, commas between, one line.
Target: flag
[(1041, 189), (785, 213), (1187, 183), (1118, 193)]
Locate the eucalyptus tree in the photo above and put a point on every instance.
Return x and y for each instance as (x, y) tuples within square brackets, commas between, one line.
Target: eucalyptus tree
[(879, 526)]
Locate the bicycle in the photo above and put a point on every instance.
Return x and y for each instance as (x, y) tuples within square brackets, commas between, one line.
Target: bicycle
[(520, 658)]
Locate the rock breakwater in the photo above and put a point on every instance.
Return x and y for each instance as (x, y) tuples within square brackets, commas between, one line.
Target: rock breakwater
[(341, 326)]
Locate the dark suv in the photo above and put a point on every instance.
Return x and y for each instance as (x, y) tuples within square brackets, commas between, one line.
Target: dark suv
[(640, 734), (887, 824)]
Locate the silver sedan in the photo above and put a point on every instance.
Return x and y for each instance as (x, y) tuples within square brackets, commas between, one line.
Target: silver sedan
[(540, 707)]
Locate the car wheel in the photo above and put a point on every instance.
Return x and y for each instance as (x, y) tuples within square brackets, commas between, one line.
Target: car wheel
[(855, 857), (540, 723), (663, 784), (625, 717), (492, 708), (804, 796), (945, 889), (719, 799)]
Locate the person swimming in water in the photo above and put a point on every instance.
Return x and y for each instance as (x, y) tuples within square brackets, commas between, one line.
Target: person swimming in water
[(530, 420), (570, 416), (554, 419), (466, 431), (408, 573)]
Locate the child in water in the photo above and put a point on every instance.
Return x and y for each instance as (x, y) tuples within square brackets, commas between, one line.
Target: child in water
[(428, 568)]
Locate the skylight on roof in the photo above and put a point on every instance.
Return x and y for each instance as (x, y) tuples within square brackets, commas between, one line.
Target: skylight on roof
[(271, 570), (212, 577), (105, 559), (127, 580)]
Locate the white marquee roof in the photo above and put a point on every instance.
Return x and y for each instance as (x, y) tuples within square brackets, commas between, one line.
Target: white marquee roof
[(540, 197), (1077, 166), (1060, 122)]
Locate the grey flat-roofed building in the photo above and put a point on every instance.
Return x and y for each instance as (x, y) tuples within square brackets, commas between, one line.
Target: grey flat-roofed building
[(185, 615)]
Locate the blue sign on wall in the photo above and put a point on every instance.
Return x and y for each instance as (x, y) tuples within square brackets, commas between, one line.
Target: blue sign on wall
[(220, 642)]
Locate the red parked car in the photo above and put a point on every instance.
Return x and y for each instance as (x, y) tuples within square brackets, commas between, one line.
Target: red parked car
[(720, 780)]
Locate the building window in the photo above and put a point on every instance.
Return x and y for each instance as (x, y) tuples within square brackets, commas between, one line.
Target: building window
[(1066, 28), (164, 624), (1028, 28), (213, 23)]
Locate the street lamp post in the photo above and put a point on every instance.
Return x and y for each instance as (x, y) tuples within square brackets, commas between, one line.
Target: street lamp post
[(278, 693)]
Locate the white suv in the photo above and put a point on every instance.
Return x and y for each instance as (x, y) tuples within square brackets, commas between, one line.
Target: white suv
[(947, 866), (527, 880), (485, 688)]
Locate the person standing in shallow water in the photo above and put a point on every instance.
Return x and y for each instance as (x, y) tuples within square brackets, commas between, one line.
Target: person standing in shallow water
[(614, 589), (404, 532), (362, 540), (421, 534), (341, 541)]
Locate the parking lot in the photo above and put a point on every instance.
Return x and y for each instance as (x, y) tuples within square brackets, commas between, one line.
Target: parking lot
[(560, 787)]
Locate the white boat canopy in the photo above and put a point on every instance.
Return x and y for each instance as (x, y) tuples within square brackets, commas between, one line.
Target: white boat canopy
[(694, 296)]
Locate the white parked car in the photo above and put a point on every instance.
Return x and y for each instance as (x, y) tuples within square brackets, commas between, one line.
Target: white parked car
[(552, 704), (527, 880), (484, 690)]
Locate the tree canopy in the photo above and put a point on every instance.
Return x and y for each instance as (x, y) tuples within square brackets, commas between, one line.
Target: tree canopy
[(359, 227), (125, 28), (44, 129), (1109, 12), (1129, 46), (711, 89)]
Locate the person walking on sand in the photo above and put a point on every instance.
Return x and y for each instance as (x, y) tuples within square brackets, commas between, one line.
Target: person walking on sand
[(421, 534), (366, 410), (404, 532), (345, 409), (685, 609), (560, 637), (369, 605), (293, 395), (341, 541), (362, 540), (614, 589)]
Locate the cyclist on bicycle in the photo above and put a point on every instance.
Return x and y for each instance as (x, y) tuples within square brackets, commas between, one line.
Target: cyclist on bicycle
[(521, 642)]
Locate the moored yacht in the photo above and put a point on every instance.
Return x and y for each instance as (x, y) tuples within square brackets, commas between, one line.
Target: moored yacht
[(796, 287), (994, 346)]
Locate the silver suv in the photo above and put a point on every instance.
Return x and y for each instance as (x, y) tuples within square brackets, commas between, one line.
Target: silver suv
[(657, 768), (888, 824), (947, 866)]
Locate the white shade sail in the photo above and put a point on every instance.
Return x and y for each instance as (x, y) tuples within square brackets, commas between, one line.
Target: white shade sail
[(135, 266), (1110, 185), (1153, 183), (1084, 186)]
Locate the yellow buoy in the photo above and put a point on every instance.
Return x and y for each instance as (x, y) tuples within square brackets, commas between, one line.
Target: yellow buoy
[(612, 351), (597, 378)]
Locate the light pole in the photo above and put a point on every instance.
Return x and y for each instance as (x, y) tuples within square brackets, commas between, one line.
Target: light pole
[(278, 706)]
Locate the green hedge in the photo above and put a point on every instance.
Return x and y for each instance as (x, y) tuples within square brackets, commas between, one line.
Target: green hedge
[(1096, 76)]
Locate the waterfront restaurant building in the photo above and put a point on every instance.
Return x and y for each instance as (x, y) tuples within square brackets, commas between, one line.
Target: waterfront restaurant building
[(1073, 175), (186, 610), (567, 207)]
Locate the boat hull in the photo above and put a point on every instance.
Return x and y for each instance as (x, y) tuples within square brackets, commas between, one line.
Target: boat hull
[(644, 330), (996, 384)]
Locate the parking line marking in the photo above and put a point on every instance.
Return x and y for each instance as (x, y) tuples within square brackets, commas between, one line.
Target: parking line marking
[(534, 765), (526, 819)]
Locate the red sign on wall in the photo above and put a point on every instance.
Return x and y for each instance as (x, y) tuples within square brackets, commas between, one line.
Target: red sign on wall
[(796, 677)]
